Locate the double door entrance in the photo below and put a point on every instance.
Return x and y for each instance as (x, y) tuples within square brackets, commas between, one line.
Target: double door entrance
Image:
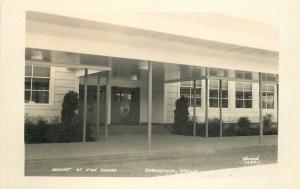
[(125, 105)]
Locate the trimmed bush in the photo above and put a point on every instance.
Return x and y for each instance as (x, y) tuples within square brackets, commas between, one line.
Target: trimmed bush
[(181, 116), (269, 127), (214, 127), (69, 106), (69, 129), (37, 129), (230, 130), (244, 126)]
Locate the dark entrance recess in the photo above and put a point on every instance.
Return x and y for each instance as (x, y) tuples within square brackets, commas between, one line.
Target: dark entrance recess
[(125, 106)]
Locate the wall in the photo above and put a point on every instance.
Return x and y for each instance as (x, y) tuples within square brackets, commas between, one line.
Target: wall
[(230, 114), (62, 81), (158, 113)]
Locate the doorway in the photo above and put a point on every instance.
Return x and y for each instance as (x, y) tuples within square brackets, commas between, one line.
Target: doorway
[(125, 106)]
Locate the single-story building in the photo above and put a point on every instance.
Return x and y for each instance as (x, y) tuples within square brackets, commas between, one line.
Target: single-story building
[(130, 75)]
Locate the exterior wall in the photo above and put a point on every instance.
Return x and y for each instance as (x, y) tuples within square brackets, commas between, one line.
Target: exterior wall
[(164, 97), (158, 113), (172, 93), (62, 80), (230, 114)]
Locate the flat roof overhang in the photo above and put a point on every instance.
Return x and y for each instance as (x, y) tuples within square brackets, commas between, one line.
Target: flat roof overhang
[(62, 33)]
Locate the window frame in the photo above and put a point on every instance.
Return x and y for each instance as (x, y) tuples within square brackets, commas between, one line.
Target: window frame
[(243, 90), (266, 91), (190, 87), (218, 98), (243, 75), (50, 88)]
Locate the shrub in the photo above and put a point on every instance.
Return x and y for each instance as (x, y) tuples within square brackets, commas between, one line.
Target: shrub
[(69, 129), (214, 127), (69, 106), (230, 130), (181, 116), (37, 129), (244, 126), (269, 127)]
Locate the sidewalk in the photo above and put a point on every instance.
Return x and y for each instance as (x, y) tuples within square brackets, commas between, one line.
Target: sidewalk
[(122, 145)]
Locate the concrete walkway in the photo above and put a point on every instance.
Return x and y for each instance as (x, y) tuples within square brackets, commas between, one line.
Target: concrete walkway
[(137, 143)]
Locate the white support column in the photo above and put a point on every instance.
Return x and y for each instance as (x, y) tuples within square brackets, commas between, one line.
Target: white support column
[(206, 104), (85, 105), (98, 108), (260, 110), (220, 107), (108, 100), (194, 108), (149, 104)]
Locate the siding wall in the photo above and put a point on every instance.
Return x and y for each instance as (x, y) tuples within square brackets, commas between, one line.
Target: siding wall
[(164, 97), (230, 114), (62, 81)]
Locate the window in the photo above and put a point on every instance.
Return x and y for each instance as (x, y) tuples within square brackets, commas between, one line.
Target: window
[(268, 96), (218, 72), (214, 92), (187, 90), (37, 81), (243, 75), (243, 95), (269, 77)]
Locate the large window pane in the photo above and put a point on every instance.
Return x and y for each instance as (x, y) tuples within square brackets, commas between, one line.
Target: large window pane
[(264, 104), (198, 92), (248, 95), (198, 102), (239, 103), (225, 103), (41, 71), (239, 95), (224, 94), (40, 96), (270, 104), (213, 93), (214, 103), (248, 103), (40, 84), (27, 83)]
